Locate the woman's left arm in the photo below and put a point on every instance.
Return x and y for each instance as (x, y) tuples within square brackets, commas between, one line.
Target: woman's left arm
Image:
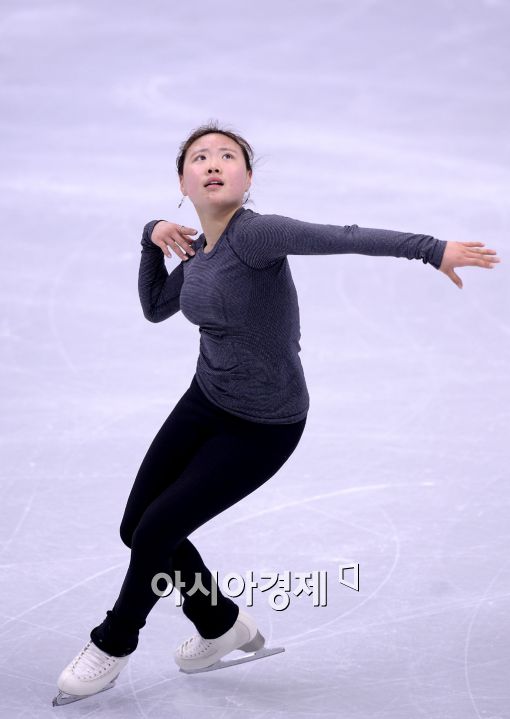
[(265, 239)]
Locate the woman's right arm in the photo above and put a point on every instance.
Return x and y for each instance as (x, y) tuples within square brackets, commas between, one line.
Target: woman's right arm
[(159, 291)]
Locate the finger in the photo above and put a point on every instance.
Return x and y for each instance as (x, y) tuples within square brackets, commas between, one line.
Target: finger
[(164, 244), (486, 262), (473, 244), (164, 247), (180, 247), (483, 258), (184, 232), (186, 244), (482, 252), (455, 279), (491, 260), (483, 263)]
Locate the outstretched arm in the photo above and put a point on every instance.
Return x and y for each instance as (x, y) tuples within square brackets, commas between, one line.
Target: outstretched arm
[(268, 238), (159, 291)]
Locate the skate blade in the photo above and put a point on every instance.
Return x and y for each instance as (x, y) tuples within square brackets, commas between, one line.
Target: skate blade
[(64, 698), (222, 664)]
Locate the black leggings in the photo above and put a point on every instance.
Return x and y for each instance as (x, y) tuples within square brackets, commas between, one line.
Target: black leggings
[(202, 461)]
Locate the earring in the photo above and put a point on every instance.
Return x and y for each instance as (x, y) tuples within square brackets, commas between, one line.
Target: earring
[(247, 198), (180, 203)]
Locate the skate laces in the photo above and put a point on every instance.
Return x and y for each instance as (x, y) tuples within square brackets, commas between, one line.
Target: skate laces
[(196, 645), (92, 661)]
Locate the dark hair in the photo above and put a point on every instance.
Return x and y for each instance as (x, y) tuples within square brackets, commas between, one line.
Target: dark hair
[(213, 126)]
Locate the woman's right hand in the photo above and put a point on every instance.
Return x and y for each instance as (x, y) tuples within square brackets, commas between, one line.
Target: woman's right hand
[(169, 234)]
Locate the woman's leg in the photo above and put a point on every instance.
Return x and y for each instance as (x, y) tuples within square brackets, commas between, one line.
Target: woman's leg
[(192, 420), (221, 459), (228, 468), (186, 428)]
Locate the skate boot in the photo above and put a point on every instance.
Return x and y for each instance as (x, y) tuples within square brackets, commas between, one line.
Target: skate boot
[(197, 654), (90, 672)]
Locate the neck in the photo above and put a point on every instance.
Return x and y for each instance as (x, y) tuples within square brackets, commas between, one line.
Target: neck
[(214, 222)]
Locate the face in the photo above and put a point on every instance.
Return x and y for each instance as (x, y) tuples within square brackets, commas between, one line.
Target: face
[(215, 155)]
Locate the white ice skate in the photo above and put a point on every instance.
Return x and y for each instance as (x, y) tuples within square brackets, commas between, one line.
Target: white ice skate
[(90, 672), (197, 654)]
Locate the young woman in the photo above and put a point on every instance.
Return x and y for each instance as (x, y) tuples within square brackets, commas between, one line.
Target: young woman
[(246, 407)]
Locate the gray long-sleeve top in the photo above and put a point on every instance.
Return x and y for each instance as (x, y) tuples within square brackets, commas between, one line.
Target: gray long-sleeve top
[(242, 297)]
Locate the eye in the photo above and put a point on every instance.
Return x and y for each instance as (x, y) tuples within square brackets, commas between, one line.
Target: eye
[(225, 153)]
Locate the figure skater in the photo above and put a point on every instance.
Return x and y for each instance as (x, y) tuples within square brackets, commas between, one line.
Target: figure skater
[(246, 407)]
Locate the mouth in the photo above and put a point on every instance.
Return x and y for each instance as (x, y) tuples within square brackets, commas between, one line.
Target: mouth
[(214, 184)]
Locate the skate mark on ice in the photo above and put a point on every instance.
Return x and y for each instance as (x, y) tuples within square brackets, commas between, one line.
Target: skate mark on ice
[(291, 640), (305, 500), (24, 514), (134, 692), (55, 286), (476, 609), (301, 637), (42, 627), (61, 593)]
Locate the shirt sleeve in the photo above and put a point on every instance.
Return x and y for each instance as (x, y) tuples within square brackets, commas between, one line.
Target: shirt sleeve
[(266, 239), (159, 291)]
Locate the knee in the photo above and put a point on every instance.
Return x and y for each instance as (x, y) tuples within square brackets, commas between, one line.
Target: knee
[(126, 534), (152, 537), (139, 535)]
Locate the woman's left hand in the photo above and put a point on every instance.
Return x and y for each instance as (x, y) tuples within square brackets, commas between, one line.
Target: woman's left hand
[(463, 254)]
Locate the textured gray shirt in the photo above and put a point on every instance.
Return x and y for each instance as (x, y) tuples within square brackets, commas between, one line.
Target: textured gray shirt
[(242, 297)]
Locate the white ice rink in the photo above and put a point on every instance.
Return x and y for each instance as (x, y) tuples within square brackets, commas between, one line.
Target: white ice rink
[(389, 115)]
